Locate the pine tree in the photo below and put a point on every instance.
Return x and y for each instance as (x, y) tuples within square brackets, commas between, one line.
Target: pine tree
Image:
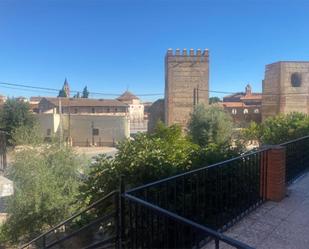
[(85, 93), (62, 93)]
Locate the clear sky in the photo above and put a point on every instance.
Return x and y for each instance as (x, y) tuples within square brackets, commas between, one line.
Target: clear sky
[(111, 45)]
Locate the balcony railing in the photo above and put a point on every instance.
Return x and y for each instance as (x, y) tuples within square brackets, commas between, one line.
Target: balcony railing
[(297, 158), (215, 196), (94, 227)]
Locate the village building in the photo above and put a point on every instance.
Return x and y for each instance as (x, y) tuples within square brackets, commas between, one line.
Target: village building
[(84, 122), (138, 123), (244, 107)]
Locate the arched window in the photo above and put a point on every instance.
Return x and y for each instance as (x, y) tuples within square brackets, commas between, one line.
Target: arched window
[(256, 111), (234, 111), (246, 111), (296, 79)]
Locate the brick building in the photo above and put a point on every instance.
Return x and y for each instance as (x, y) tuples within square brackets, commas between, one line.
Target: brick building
[(244, 106)]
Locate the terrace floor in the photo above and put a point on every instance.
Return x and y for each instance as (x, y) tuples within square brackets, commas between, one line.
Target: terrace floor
[(282, 225)]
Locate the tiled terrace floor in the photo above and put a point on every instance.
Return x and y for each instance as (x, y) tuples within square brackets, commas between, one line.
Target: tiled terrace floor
[(283, 225)]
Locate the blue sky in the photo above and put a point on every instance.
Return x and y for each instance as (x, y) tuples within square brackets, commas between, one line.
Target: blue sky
[(110, 45)]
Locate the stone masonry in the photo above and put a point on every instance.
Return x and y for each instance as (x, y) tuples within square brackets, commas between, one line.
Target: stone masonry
[(285, 88), (186, 84)]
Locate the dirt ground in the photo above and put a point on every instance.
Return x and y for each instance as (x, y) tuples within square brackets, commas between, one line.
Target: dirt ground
[(90, 152)]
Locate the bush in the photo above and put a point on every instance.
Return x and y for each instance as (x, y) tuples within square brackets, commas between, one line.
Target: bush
[(210, 125), (46, 182), (278, 129)]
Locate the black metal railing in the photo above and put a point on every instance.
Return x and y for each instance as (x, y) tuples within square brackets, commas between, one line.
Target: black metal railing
[(97, 226), (297, 158), (215, 196), (150, 226)]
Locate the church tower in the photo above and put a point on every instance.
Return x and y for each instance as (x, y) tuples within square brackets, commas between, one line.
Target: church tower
[(66, 88), (186, 84)]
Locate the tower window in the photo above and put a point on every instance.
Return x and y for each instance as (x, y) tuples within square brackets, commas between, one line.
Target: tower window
[(234, 111), (246, 111), (296, 79)]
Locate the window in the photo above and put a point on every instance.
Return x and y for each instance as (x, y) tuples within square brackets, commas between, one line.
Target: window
[(95, 132), (48, 132), (256, 111), (296, 79), (234, 111), (246, 111), (116, 109), (75, 110), (107, 110), (93, 110)]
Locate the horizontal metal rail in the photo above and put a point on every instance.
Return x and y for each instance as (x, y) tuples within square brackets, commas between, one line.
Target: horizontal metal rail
[(195, 171), (208, 232), (71, 218)]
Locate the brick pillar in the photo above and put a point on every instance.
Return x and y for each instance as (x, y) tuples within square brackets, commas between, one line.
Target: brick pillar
[(276, 188)]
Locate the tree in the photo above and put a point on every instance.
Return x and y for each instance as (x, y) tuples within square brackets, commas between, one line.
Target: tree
[(46, 182), (26, 135), (279, 129), (62, 93), (213, 100), (16, 114), (77, 95), (85, 93), (142, 160), (210, 125)]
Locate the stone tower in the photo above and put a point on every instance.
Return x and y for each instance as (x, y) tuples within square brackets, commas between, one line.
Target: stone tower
[(186, 84), (285, 88)]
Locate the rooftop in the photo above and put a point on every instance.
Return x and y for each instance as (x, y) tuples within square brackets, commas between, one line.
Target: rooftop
[(280, 225), (85, 102)]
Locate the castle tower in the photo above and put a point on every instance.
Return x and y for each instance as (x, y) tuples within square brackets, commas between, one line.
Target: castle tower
[(186, 84), (285, 88)]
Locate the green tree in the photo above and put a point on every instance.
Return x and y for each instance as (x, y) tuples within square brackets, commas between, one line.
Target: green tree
[(62, 93), (213, 100), (15, 114), (210, 125), (85, 93), (46, 182), (284, 127), (26, 135), (144, 159)]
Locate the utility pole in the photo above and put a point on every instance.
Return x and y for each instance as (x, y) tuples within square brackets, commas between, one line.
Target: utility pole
[(60, 120), (92, 127)]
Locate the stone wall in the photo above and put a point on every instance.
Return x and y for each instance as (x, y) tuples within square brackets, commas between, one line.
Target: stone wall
[(186, 84), (279, 95)]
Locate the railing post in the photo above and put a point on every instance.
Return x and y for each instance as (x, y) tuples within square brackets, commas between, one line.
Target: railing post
[(276, 170), (121, 215), (44, 242)]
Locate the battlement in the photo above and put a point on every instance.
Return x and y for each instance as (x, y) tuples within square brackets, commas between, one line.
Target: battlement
[(185, 52), (187, 55)]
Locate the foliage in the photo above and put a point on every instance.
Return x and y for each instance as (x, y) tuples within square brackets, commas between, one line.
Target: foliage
[(25, 135), (210, 125), (46, 182), (85, 92), (77, 95), (279, 129), (15, 114), (144, 159), (213, 100), (62, 93)]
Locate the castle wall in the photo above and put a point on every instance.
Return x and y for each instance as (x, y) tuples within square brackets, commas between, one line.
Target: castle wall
[(186, 84)]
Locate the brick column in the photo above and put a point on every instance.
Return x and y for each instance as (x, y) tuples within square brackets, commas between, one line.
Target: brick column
[(276, 188)]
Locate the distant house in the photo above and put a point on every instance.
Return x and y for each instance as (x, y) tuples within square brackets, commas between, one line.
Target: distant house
[(135, 110), (244, 106), (84, 122), (82, 106)]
